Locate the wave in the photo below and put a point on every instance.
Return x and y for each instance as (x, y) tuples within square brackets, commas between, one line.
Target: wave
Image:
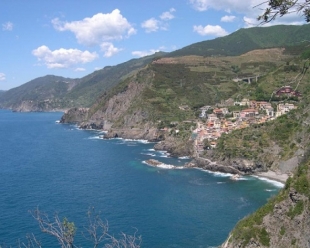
[(149, 154), (164, 166), (184, 157), (164, 154), (216, 173), (137, 140), (95, 137), (273, 182)]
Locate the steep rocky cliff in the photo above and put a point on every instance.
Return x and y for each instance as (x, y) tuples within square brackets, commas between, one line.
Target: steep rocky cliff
[(283, 222)]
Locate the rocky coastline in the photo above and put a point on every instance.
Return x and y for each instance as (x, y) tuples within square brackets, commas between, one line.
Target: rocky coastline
[(176, 147)]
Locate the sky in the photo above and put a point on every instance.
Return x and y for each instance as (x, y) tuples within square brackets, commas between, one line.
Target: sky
[(73, 38)]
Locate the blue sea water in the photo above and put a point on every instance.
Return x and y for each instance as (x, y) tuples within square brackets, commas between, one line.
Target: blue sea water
[(62, 169)]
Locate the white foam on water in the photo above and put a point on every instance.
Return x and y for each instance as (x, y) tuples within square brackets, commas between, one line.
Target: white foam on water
[(151, 150), (165, 166), (137, 140), (149, 154), (94, 137), (273, 182), (219, 174), (184, 157)]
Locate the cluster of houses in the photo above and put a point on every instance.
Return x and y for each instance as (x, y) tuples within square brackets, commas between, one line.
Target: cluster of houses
[(211, 126)]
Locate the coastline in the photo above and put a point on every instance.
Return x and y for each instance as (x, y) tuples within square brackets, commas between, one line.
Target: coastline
[(271, 175)]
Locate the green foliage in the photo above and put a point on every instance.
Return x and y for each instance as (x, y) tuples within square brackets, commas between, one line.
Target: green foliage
[(279, 8), (69, 228), (282, 231), (296, 210), (245, 40), (264, 238)]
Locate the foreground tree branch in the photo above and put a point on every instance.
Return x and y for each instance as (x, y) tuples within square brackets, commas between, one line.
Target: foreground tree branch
[(96, 232), (279, 8)]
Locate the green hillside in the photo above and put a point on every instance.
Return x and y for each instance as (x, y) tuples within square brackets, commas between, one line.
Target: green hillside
[(98, 82), (49, 87), (61, 93), (245, 40)]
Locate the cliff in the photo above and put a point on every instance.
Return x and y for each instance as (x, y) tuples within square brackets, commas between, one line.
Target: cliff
[(282, 222)]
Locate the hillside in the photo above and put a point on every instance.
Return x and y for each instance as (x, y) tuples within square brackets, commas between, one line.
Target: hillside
[(283, 221), (57, 93), (40, 94), (245, 40), (85, 91)]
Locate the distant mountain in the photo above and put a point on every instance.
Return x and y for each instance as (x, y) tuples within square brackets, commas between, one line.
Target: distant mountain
[(52, 92), (56, 93), (40, 94), (245, 40)]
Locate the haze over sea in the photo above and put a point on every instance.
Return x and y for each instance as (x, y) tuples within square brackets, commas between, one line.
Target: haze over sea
[(60, 168)]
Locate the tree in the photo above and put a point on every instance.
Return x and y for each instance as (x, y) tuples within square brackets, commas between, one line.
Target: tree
[(279, 8), (96, 231)]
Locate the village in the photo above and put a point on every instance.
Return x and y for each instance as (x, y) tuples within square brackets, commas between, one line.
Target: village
[(215, 121)]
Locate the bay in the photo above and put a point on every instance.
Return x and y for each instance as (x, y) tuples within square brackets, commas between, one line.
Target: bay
[(64, 170)]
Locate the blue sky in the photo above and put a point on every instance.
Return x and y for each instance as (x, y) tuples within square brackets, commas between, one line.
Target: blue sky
[(72, 38)]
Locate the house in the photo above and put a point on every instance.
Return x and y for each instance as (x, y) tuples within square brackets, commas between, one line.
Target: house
[(225, 111), (217, 123), (218, 112), (288, 91), (270, 111), (246, 113), (212, 117), (284, 108), (236, 114)]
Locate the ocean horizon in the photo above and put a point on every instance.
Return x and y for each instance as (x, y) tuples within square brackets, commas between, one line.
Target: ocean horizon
[(62, 169)]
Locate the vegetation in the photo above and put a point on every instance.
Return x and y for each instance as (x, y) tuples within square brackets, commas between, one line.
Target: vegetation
[(96, 232), (252, 227), (245, 40), (279, 8)]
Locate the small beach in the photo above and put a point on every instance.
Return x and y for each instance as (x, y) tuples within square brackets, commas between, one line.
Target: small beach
[(280, 177)]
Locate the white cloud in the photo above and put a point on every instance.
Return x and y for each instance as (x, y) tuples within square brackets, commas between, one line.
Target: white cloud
[(63, 58), (250, 10), (2, 76), (228, 18), (109, 49), (226, 5), (98, 28), (8, 26), (153, 25), (144, 53), (210, 30), (166, 16), (80, 69), (150, 25)]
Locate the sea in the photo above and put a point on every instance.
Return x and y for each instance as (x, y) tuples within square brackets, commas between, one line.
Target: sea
[(64, 171)]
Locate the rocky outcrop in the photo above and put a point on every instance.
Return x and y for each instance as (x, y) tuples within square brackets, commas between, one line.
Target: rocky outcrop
[(284, 226), (207, 164), (282, 222), (175, 146), (75, 115)]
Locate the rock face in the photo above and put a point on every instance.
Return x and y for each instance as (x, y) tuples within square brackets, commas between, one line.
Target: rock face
[(75, 115), (175, 147), (283, 222), (207, 164)]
